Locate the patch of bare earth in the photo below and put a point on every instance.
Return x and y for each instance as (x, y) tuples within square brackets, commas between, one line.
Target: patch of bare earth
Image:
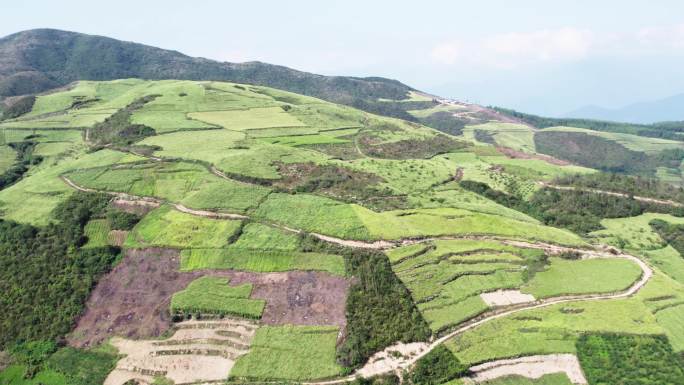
[(133, 299), (531, 367), (197, 351), (506, 297), (514, 154), (396, 356), (140, 207)]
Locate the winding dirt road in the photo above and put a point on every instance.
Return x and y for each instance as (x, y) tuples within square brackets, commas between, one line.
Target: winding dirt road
[(416, 351), (613, 193), (421, 351)]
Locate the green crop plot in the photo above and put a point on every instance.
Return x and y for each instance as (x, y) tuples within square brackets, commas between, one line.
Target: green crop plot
[(516, 136), (446, 277), (32, 199), (97, 232), (446, 221), (634, 233), (583, 277), (252, 118), (184, 144), (290, 353), (165, 227), (632, 142), (260, 260), (180, 182), (312, 213), (672, 320), (551, 330), (261, 237), (667, 260), (256, 159), (548, 379), (213, 295)]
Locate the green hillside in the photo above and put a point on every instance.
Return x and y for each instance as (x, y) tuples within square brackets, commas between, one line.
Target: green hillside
[(237, 231)]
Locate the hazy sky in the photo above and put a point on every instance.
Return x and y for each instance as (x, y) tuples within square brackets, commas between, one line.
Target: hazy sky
[(535, 55)]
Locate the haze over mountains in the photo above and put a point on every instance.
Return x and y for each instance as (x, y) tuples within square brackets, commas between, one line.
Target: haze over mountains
[(37, 60), (667, 109)]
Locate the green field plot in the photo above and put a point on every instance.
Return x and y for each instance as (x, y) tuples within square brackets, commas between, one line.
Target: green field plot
[(215, 144), (7, 158), (453, 195), (424, 113), (32, 199), (634, 233), (168, 121), (261, 237), (435, 222), (583, 277), (257, 159), (260, 260), (632, 142), (313, 214), (252, 118), (326, 116), (667, 260), (305, 140), (165, 227), (446, 277), (516, 136), (672, 320), (548, 379), (214, 295), (409, 175), (617, 358), (97, 232), (53, 148), (290, 353), (551, 330), (188, 183), (74, 136)]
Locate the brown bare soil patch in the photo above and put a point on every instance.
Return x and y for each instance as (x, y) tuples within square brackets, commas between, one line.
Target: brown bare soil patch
[(139, 207), (511, 153), (298, 297), (198, 351), (133, 299)]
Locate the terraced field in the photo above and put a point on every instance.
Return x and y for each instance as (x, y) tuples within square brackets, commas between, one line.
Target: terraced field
[(264, 236)]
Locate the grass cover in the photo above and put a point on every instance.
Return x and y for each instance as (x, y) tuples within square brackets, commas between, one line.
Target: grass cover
[(290, 352), (170, 228), (213, 295)]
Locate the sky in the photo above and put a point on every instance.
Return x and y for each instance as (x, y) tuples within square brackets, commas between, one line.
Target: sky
[(540, 56)]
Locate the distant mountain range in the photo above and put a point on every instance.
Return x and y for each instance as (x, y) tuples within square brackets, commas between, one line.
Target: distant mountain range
[(668, 109), (41, 59)]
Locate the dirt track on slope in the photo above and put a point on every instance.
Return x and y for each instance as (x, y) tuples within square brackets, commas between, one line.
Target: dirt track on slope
[(132, 301), (613, 193), (531, 367), (421, 350)]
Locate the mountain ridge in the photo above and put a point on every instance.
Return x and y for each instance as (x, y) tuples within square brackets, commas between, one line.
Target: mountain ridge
[(37, 60), (661, 110)]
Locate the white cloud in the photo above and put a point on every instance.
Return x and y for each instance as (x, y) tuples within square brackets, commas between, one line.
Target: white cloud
[(656, 38), (446, 53), (545, 45), (514, 49)]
